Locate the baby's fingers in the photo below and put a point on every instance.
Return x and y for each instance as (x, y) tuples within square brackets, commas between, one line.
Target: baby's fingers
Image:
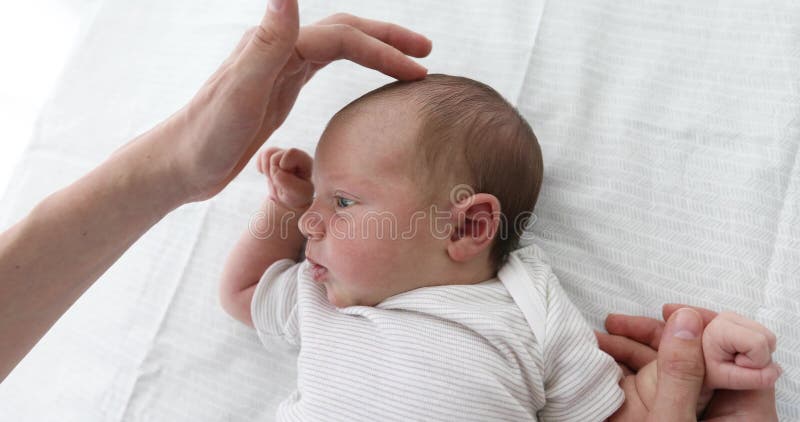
[(263, 160), (724, 341), (752, 325), (298, 162), (627, 352), (274, 164), (292, 190), (730, 376), (739, 357)]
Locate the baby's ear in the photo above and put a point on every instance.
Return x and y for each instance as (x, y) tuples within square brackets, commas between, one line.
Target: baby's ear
[(475, 221)]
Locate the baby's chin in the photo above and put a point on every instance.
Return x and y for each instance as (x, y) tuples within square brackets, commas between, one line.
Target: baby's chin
[(334, 298), (337, 299)]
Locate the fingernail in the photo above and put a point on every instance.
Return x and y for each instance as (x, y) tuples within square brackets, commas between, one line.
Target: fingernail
[(276, 5), (687, 325)]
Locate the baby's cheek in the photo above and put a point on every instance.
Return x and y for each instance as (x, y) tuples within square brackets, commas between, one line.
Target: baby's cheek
[(370, 259), (353, 260)]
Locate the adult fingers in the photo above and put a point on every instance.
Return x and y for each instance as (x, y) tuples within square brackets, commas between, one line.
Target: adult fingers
[(680, 368), (648, 330), (707, 314), (271, 43), (405, 40), (630, 353), (296, 161), (642, 329), (326, 43), (231, 57)]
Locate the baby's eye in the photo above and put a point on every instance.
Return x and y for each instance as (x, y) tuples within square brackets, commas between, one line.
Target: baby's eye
[(343, 202)]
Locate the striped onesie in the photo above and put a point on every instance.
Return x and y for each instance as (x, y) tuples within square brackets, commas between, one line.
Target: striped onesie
[(454, 352)]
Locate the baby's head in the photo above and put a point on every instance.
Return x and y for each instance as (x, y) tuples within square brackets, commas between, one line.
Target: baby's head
[(419, 184)]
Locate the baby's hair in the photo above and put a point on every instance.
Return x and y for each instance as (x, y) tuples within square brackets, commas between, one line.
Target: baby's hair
[(469, 134)]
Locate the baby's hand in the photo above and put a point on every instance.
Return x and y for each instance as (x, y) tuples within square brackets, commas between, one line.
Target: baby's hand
[(738, 354), (289, 176)]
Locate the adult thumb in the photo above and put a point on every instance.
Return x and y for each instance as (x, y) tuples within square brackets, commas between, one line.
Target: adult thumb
[(272, 41), (681, 368)]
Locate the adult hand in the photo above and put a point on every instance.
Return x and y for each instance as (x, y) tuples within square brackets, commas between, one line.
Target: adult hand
[(251, 93), (635, 341), (51, 256)]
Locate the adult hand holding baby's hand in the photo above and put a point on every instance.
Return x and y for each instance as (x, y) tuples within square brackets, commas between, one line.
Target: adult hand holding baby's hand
[(289, 176), (250, 95), (636, 341)]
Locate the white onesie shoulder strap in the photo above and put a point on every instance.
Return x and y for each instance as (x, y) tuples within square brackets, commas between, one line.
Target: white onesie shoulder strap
[(527, 285)]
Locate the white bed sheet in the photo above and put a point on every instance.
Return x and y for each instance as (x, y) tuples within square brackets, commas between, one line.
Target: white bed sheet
[(670, 135)]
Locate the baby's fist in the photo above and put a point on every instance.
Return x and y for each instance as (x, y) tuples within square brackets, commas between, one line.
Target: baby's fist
[(738, 354), (289, 175)]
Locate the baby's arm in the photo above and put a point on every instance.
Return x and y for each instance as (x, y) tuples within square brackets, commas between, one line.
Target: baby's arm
[(272, 233), (738, 356)]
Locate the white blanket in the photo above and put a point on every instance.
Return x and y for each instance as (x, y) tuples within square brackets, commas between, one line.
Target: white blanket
[(670, 134)]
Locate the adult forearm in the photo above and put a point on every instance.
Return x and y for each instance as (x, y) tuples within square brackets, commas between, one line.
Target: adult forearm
[(48, 259), (51, 257)]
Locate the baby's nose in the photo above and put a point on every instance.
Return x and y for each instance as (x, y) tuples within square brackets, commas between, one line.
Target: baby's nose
[(311, 225)]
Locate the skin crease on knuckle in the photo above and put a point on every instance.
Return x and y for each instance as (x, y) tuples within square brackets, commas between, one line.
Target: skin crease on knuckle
[(266, 38), (683, 369)]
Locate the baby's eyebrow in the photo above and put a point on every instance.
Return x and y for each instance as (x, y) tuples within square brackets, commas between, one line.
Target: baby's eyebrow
[(315, 175), (353, 187)]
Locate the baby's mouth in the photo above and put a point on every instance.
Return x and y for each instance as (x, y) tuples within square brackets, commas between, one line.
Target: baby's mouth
[(318, 272)]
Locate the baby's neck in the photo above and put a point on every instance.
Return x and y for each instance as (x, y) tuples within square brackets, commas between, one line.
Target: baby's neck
[(468, 273)]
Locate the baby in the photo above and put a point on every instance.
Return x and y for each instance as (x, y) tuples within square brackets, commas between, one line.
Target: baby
[(393, 267)]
